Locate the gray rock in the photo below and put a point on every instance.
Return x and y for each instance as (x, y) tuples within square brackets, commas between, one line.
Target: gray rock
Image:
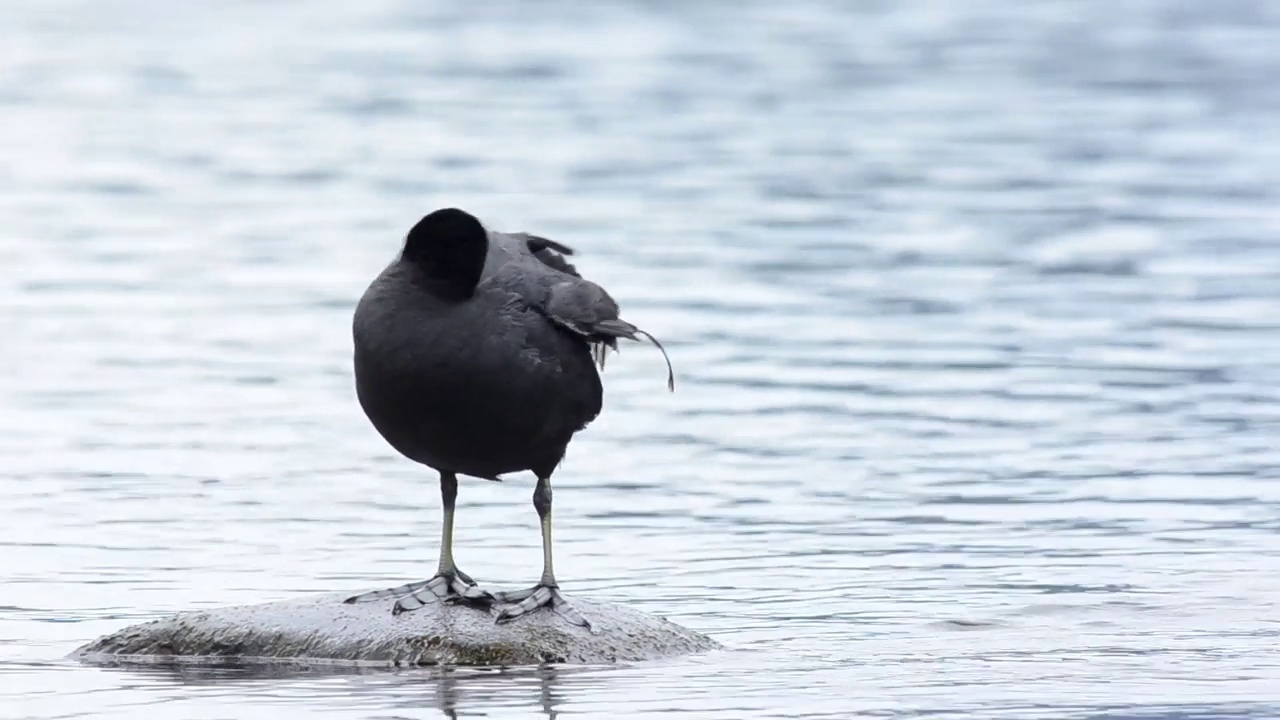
[(324, 630)]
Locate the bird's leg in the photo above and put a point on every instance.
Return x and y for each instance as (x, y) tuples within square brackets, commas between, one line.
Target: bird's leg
[(449, 584), (547, 592)]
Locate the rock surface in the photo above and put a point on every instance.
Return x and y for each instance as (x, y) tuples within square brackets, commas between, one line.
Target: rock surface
[(324, 630)]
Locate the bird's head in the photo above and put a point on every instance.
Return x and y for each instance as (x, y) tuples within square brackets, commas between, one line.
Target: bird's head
[(448, 247)]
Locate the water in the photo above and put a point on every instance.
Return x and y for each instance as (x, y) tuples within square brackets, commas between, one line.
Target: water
[(974, 309)]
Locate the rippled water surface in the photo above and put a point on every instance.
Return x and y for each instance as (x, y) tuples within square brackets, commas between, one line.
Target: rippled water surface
[(975, 311)]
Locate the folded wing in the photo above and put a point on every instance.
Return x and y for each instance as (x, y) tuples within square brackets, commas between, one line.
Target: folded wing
[(554, 287)]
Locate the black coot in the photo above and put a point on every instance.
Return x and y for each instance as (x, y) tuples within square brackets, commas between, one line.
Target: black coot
[(475, 354)]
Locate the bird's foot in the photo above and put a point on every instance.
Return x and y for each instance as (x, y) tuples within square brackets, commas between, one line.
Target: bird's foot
[(523, 602), (454, 588)]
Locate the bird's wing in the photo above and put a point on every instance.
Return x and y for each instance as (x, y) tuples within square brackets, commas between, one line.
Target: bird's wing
[(551, 253), (563, 295), (546, 282)]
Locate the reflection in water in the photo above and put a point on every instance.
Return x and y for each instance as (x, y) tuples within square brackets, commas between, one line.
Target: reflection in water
[(451, 690)]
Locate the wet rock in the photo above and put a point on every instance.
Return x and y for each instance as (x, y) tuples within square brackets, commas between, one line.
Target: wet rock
[(325, 630)]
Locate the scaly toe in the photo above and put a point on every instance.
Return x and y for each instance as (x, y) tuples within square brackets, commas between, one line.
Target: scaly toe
[(398, 591), (513, 596), (467, 593), (452, 588), (539, 596)]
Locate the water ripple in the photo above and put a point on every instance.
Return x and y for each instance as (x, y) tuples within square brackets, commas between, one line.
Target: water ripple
[(972, 308)]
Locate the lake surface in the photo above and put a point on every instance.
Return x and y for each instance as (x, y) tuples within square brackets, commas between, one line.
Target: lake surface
[(974, 308)]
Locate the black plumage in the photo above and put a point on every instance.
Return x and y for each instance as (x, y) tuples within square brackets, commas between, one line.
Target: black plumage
[(476, 354)]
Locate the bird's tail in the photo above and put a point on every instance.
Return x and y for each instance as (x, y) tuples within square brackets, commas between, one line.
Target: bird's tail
[(611, 330)]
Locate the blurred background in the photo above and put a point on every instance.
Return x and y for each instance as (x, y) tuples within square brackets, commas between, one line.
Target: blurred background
[(974, 309)]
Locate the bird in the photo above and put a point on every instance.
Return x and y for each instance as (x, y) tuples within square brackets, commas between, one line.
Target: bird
[(478, 353)]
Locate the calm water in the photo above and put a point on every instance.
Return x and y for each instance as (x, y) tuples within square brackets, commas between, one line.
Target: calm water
[(975, 310)]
